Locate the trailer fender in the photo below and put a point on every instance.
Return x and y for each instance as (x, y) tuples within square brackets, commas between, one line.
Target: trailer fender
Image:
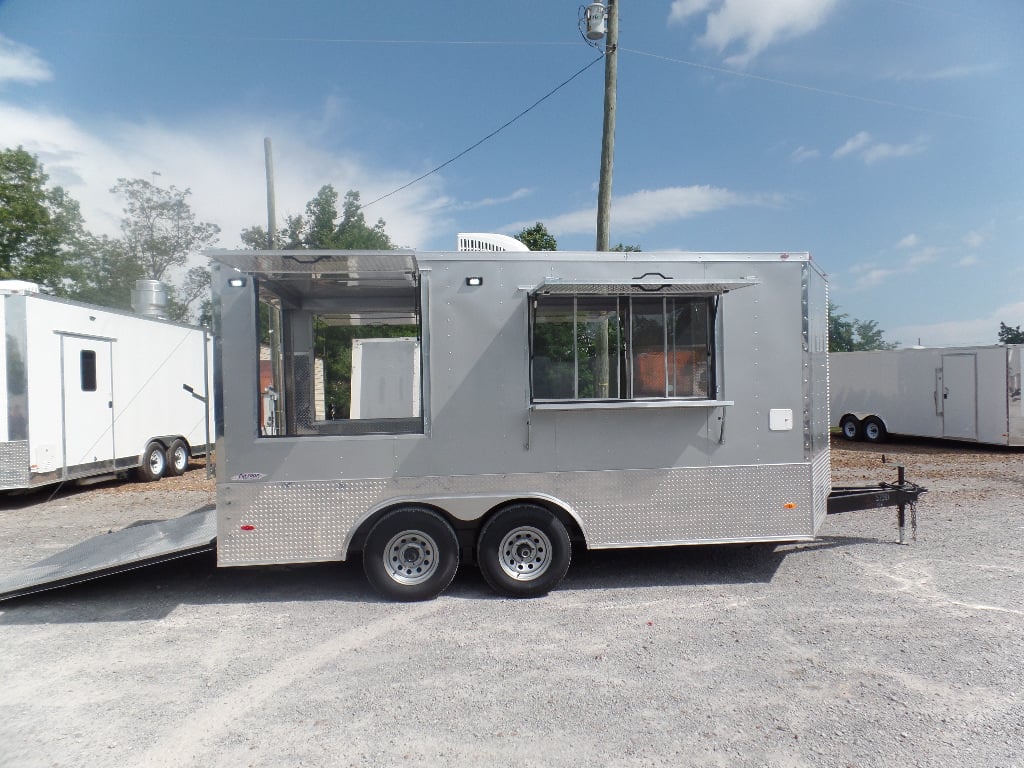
[(465, 513)]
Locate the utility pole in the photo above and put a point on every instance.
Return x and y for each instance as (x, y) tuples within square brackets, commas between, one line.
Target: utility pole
[(604, 190), (271, 207)]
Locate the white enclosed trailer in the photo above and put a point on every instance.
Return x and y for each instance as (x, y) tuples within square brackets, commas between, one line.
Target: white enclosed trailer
[(88, 391), (958, 393)]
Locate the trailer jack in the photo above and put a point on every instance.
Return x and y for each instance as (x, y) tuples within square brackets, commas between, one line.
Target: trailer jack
[(901, 494)]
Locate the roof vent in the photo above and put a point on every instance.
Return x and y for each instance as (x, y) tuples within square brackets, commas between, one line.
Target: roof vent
[(482, 241), (149, 298)]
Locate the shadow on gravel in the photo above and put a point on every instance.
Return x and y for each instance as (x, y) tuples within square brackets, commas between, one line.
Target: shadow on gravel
[(34, 496), (152, 593)]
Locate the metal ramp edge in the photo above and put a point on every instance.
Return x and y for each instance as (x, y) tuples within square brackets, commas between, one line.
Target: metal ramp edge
[(134, 547)]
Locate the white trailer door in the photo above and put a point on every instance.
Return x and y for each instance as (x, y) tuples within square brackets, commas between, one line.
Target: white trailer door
[(960, 396), (88, 407)]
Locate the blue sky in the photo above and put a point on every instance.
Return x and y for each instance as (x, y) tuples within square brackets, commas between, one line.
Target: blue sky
[(883, 136)]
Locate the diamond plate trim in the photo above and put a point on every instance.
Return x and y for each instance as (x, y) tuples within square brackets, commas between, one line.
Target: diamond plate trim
[(14, 459), (307, 522)]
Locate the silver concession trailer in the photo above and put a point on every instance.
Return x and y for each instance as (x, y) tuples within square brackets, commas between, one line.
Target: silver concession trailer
[(620, 400), (418, 410), (959, 393)]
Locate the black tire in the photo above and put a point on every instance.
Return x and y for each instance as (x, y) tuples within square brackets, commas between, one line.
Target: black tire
[(411, 554), (154, 463), (523, 551), (874, 431), (850, 428), (177, 458)]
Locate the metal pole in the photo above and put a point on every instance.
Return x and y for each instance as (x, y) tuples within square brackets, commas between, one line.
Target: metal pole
[(271, 212), (604, 192), (275, 315)]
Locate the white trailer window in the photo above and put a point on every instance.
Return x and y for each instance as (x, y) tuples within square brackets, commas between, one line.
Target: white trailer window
[(621, 347), (87, 365)]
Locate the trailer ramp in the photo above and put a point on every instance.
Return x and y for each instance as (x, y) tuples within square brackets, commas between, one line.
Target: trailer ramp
[(134, 547)]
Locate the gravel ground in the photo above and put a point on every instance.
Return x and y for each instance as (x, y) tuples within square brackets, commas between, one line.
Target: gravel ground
[(851, 651)]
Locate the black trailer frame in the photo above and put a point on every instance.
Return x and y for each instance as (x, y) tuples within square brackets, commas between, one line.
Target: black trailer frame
[(901, 494)]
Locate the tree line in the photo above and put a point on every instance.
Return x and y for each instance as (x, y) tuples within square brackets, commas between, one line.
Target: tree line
[(43, 239)]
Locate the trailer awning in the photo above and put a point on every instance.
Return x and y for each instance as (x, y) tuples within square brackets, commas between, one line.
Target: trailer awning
[(354, 265), (644, 286)]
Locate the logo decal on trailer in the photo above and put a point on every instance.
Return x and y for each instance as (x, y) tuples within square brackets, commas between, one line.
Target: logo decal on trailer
[(249, 476)]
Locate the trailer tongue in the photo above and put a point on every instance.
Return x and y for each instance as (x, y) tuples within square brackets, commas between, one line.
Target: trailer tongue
[(134, 547)]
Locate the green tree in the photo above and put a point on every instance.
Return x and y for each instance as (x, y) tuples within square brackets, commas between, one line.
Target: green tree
[(846, 334), (41, 230), (1010, 335), (627, 248), (106, 273), (537, 238), (322, 227), (160, 231)]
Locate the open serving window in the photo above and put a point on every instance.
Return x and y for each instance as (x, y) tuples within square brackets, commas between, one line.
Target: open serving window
[(614, 342), (340, 340)]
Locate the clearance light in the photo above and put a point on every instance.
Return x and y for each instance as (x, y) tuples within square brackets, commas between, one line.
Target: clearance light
[(474, 281), (247, 527), (237, 282), (789, 505)]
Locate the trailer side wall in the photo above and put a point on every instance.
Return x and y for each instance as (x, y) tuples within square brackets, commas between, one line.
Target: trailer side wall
[(749, 463)]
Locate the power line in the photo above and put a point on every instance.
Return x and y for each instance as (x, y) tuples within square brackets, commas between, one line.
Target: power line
[(802, 86), (492, 134), (314, 39)]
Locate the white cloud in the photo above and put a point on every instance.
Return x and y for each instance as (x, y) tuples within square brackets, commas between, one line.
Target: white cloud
[(488, 202), (872, 151), (979, 330), (20, 64), (968, 261), (853, 144), (641, 211), (975, 239), (752, 25), (882, 151), (684, 9), (221, 159), (801, 154), (924, 256), (873, 276)]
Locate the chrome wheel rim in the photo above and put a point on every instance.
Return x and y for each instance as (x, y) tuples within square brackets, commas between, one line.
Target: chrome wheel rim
[(871, 431), (180, 458), (156, 462), (411, 557), (525, 553), (850, 429)]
